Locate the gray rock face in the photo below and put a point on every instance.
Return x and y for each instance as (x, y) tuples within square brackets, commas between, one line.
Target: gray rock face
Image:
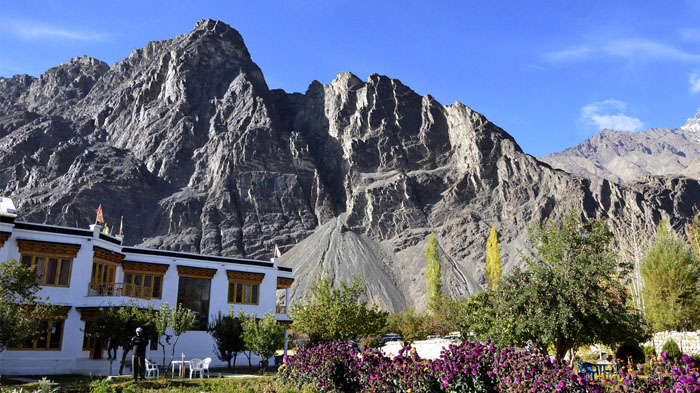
[(624, 156), (185, 140)]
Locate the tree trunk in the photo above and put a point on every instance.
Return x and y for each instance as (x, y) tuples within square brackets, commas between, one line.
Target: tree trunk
[(560, 348), (121, 365), (235, 355)]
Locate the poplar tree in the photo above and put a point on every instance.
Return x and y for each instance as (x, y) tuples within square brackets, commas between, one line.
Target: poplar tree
[(671, 275), (493, 260), (433, 283)]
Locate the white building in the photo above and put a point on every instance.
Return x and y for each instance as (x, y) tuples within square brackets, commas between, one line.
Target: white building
[(83, 270)]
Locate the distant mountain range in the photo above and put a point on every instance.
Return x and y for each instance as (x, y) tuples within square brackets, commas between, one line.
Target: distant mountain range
[(186, 141), (625, 156)]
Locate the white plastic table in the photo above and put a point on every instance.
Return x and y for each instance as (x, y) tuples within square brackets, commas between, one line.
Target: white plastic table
[(179, 364)]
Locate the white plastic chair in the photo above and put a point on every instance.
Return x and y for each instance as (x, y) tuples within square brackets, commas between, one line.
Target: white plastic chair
[(196, 365), (150, 368), (205, 367)]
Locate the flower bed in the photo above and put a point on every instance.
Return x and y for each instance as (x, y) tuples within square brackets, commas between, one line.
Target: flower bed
[(469, 367)]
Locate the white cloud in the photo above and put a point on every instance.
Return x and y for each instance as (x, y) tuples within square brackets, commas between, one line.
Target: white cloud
[(690, 34), (610, 114), (31, 30), (695, 82), (629, 49)]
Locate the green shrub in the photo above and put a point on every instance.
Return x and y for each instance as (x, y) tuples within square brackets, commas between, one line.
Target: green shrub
[(630, 350), (674, 352), (649, 350), (101, 386)]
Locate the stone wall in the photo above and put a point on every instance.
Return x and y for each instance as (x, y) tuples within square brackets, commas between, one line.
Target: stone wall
[(689, 342)]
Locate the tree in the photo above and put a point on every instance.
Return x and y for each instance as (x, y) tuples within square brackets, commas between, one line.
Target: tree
[(21, 314), (263, 337), (228, 337), (181, 320), (693, 233), (410, 324), (493, 260), (120, 323), (337, 313), (573, 294), (671, 276), (161, 322), (433, 280)]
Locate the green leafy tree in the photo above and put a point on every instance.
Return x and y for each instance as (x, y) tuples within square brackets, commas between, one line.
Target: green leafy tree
[(433, 279), (21, 313), (263, 337), (493, 260), (182, 319), (228, 337), (120, 323), (671, 275), (337, 313), (694, 234), (573, 294), (161, 322), (412, 325)]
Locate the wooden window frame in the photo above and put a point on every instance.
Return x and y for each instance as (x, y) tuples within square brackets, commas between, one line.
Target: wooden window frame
[(46, 258), (60, 318), (182, 300), (239, 278), (155, 270), (143, 281)]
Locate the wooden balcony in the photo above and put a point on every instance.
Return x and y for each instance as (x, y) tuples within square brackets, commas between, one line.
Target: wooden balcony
[(119, 289)]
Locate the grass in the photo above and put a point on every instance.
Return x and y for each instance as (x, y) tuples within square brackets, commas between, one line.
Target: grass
[(83, 384)]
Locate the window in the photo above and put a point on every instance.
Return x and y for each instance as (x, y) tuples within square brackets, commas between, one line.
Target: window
[(244, 287), (49, 341), (193, 293), (50, 271), (143, 285), (243, 292)]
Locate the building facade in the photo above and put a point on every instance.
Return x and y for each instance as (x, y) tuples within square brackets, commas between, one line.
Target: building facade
[(84, 270)]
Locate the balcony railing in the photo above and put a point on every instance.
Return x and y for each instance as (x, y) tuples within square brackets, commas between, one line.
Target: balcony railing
[(119, 289)]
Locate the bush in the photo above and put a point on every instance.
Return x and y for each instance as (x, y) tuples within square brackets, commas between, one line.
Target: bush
[(630, 350), (101, 386), (672, 350), (650, 350)]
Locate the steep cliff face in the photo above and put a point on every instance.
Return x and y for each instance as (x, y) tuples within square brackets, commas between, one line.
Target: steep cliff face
[(185, 140)]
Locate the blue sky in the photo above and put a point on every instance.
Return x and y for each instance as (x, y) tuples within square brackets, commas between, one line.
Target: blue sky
[(550, 73)]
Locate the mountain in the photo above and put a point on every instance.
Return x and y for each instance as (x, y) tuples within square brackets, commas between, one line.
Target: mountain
[(624, 156), (186, 141)]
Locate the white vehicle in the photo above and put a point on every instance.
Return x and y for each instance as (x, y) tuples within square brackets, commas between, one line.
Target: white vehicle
[(434, 338), (7, 208)]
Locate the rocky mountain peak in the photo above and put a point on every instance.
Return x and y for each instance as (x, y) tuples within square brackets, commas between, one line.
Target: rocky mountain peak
[(693, 124), (184, 139)]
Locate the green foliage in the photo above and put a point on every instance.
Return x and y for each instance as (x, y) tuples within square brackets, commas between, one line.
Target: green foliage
[(263, 337), (182, 319), (228, 337), (433, 279), (671, 275), (337, 313), (572, 295), (630, 350), (21, 313), (410, 324), (101, 386), (649, 350), (493, 260), (161, 322), (672, 349)]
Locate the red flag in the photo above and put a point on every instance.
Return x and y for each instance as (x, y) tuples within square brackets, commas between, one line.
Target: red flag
[(121, 227), (100, 218), (277, 252)]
